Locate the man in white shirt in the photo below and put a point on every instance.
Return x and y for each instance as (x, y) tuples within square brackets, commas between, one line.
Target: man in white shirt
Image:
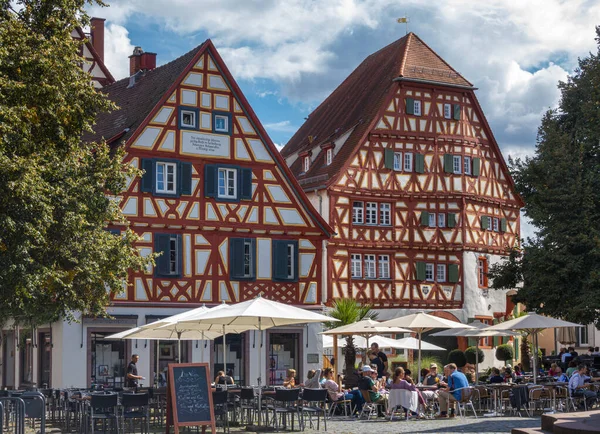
[(577, 387)]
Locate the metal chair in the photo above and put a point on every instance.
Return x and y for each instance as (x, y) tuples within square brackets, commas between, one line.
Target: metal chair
[(314, 403), (466, 400), (286, 404), (104, 408), (35, 408), (344, 403), (247, 405), (136, 406), (221, 408), (369, 408)]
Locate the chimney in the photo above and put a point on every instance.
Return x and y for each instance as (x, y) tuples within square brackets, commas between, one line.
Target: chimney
[(141, 61), (97, 33)]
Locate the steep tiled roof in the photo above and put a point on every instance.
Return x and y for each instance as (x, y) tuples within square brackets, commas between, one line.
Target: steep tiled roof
[(356, 102), (136, 102)]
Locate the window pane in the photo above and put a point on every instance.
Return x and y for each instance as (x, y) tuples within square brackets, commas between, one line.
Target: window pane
[(371, 213), (441, 272), (432, 220), (356, 265), (247, 259), (173, 255), (429, 272), (408, 160), (290, 261), (467, 164), (160, 177), (384, 267), (441, 220), (457, 164), (397, 161), (370, 266), (357, 212), (384, 214)]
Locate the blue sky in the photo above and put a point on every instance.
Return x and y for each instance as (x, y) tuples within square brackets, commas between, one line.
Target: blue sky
[(287, 56)]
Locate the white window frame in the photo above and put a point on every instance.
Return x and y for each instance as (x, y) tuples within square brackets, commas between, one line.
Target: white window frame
[(228, 175), (440, 275), (447, 111), (356, 266), (581, 333), (441, 220), (248, 259), (495, 224), (222, 130), (383, 266), (358, 212), (467, 165), (385, 214), (370, 267), (165, 169), (481, 272), (398, 161), (173, 255), (417, 107), (329, 156), (371, 213), (194, 123), (429, 270), (290, 261), (432, 220), (306, 164), (457, 164), (408, 162)]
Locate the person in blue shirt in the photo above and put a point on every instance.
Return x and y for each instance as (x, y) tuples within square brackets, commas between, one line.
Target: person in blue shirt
[(456, 381), (496, 377), (560, 376)]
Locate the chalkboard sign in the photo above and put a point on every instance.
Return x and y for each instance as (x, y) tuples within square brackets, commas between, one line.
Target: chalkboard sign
[(190, 396)]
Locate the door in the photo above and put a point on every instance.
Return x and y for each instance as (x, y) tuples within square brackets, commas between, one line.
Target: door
[(45, 359)]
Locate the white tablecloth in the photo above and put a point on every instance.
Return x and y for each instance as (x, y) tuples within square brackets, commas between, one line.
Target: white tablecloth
[(403, 398)]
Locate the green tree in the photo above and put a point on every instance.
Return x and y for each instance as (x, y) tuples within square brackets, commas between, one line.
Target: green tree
[(560, 267), (505, 352), (472, 354), (457, 357), (55, 192), (348, 311)]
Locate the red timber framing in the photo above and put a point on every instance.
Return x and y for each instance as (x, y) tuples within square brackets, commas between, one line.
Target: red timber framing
[(476, 199), (94, 63), (202, 127)]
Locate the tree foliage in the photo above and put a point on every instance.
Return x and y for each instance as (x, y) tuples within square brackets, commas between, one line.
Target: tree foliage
[(560, 267), (471, 352), (457, 357), (55, 191), (505, 352)]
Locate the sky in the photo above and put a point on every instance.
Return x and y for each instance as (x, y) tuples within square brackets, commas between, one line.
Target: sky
[(287, 56)]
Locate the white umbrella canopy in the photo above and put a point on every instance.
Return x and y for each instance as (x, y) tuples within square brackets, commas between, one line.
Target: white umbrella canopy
[(164, 334), (367, 327), (533, 324), (421, 322), (411, 343), (383, 342)]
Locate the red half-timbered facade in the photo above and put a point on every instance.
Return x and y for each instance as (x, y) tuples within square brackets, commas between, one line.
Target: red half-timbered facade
[(406, 170), (92, 51)]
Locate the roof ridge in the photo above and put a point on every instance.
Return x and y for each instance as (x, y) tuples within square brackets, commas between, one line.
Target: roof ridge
[(405, 54)]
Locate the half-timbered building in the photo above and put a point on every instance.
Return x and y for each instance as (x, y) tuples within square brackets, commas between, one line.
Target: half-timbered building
[(218, 203), (402, 163)]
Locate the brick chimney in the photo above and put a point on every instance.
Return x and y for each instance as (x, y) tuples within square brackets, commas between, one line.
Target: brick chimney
[(140, 60), (97, 34)]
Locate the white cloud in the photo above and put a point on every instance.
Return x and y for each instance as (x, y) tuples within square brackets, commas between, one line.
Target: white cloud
[(284, 126), (117, 48)]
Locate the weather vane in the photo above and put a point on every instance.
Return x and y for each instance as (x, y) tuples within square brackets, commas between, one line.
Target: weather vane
[(404, 20)]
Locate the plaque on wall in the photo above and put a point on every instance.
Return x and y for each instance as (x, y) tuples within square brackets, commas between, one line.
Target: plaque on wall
[(204, 144), (312, 358)]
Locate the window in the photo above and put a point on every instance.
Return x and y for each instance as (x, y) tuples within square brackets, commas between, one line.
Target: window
[(447, 111), (496, 224), (384, 266), (356, 265), (457, 164), (467, 165), (285, 260), (408, 162), (290, 261), (441, 220), (329, 156), (482, 270), (357, 212), (397, 161), (247, 258), (221, 123), (432, 222), (370, 267), (306, 164), (385, 214), (417, 111), (165, 178), (429, 272), (188, 119), (582, 336), (242, 258), (168, 264), (441, 273), (227, 183), (371, 217)]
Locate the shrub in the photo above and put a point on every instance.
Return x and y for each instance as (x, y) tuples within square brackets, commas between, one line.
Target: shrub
[(504, 352), (426, 361), (470, 355), (457, 357)]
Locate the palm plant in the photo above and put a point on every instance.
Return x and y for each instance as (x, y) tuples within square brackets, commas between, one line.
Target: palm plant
[(348, 311)]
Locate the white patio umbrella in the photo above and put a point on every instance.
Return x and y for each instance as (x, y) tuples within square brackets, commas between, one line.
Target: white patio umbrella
[(533, 324), (421, 322), (258, 313), (411, 343), (478, 330)]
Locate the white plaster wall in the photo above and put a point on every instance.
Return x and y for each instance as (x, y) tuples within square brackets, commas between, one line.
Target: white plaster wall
[(322, 206), (312, 342)]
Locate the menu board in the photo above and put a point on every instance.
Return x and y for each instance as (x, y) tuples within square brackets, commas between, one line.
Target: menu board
[(190, 396)]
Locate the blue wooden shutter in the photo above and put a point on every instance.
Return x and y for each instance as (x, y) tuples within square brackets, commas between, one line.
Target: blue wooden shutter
[(147, 181), (419, 163), (161, 244), (485, 223), (451, 220), (452, 273), (410, 106), (279, 259), (245, 183), (388, 158), (424, 218), (420, 270), (114, 231), (476, 162), (211, 172), (185, 178), (503, 225), (236, 258), (456, 112), (448, 163)]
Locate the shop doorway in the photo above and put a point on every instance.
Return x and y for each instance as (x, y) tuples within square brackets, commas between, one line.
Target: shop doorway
[(108, 361), (8, 359), (167, 353), (283, 354), (236, 357), (45, 359)]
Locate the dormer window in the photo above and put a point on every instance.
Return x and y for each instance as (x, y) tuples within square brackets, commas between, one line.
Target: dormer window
[(306, 164), (329, 156)]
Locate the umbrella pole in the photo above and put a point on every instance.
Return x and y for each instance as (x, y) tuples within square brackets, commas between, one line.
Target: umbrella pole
[(259, 371), (419, 364), (157, 363), (477, 362), (534, 357), (179, 346), (224, 351)]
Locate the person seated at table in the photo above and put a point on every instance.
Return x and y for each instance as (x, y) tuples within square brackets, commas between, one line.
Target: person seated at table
[(560, 375), (424, 373), (496, 377), (290, 379), (312, 381), (552, 370), (370, 384), (578, 389), (333, 389), (223, 379), (433, 378), (572, 368), (456, 380), (518, 372), (590, 351), (399, 381), (596, 351), (509, 376)]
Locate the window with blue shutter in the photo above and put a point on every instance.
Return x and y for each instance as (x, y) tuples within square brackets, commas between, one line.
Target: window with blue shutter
[(185, 178), (189, 118), (285, 260), (388, 159), (451, 220), (166, 177), (448, 163), (420, 268), (170, 262), (503, 225), (476, 166), (485, 222), (221, 123), (419, 163), (424, 218), (242, 258), (410, 106), (227, 183), (456, 112), (453, 273), (147, 181)]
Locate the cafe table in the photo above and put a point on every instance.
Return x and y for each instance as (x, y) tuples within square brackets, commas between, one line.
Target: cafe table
[(497, 389)]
